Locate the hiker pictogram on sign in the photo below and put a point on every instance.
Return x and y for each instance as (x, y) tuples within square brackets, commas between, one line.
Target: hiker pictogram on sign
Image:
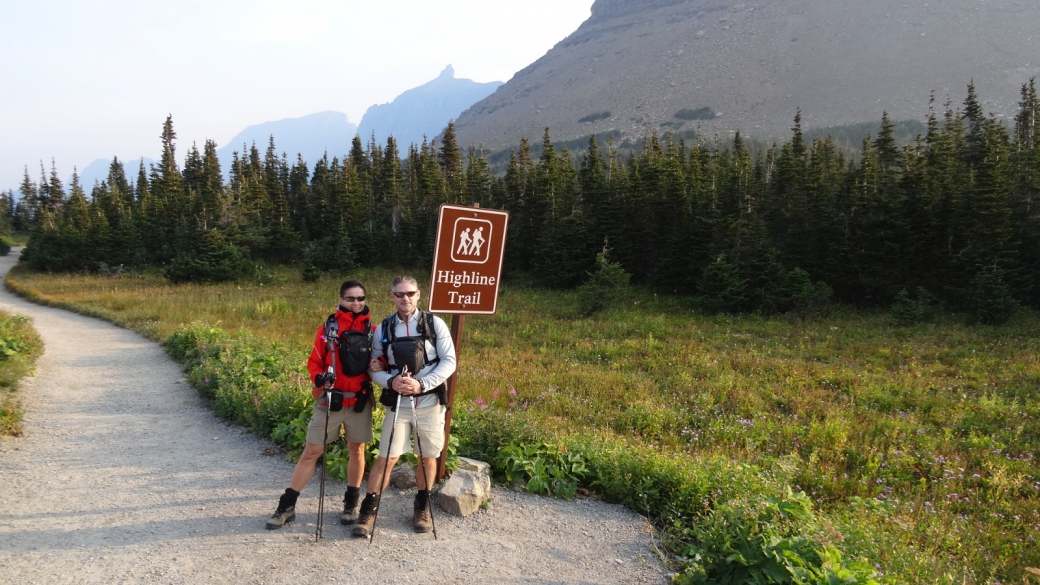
[(469, 240)]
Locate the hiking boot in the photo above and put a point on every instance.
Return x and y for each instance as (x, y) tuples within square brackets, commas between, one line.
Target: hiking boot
[(350, 508), (281, 518), (365, 523), (421, 519)]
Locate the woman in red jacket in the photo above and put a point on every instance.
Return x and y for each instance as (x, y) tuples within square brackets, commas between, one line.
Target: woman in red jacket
[(344, 342)]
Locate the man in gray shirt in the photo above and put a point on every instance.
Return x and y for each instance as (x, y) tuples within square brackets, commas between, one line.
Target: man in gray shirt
[(422, 390)]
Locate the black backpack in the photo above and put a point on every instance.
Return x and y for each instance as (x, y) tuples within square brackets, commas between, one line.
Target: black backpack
[(411, 352), (354, 347)]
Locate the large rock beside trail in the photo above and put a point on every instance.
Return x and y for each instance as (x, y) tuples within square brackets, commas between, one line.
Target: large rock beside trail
[(467, 488), (481, 467)]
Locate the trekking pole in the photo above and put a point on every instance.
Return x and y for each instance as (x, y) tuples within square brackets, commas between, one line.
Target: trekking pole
[(331, 335), (321, 490), (426, 476), (386, 468)]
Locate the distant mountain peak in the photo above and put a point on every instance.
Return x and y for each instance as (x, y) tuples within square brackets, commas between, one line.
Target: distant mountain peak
[(422, 112)]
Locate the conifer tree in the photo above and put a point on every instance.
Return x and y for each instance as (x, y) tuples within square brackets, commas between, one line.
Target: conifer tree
[(519, 183), (211, 187), (451, 165), (30, 201)]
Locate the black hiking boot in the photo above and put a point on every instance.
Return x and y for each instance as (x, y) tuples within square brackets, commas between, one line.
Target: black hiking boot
[(366, 520)]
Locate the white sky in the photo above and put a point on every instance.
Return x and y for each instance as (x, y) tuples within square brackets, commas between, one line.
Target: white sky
[(95, 79)]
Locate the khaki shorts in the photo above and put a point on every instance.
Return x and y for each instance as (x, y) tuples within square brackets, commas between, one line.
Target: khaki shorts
[(431, 432), (357, 425)]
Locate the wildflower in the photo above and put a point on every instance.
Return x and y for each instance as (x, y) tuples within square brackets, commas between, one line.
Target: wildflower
[(256, 401), (205, 381), (512, 392), (479, 400), (483, 406), (512, 404), (203, 346), (494, 394)]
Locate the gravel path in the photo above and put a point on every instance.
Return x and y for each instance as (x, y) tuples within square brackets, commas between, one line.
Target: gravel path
[(125, 476)]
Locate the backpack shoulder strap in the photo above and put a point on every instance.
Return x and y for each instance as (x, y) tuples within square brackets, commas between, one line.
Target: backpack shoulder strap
[(389, 334), (433, 329), (429, 333), (368, 330)]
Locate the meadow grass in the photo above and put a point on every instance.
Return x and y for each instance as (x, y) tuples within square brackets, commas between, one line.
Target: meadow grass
[(20, 345), (917, 443)]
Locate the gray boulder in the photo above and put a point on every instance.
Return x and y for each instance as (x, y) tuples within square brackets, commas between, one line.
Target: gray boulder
[(467, 489)]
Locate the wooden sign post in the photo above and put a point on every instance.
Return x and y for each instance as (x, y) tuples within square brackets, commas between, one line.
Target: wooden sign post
[(467, 269)]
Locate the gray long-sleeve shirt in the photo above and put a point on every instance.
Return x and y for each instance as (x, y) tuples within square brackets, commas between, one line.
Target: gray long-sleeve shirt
[(431, 375)]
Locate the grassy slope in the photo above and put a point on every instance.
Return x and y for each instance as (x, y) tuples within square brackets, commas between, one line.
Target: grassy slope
[(919, 441)]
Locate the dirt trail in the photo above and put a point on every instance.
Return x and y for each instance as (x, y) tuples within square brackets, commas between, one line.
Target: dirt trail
[(125, 476)]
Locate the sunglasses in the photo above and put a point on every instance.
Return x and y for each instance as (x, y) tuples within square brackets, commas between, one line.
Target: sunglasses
[(360, 299), (407, 293)]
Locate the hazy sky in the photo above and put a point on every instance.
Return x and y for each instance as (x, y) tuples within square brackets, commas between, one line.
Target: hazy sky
[(82, 80)]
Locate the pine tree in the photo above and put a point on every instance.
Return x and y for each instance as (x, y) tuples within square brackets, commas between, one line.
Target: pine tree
[(1026, 205), (30, 201), (519, 199), (211, 187), (282, 240), (451, 165)]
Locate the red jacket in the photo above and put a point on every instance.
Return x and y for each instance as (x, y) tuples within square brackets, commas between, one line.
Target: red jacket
[(316, 364)]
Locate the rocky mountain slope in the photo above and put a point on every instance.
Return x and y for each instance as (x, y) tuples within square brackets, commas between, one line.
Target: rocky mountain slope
[(718, 66)]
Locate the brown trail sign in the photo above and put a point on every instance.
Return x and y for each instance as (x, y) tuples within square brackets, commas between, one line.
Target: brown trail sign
[(467, 269)]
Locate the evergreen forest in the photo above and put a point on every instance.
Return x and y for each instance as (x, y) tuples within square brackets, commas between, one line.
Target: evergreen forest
[(951, 218)]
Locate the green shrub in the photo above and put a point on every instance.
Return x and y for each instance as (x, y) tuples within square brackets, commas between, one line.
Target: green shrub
[(764, 541), (720, 289), (545, 469), (333, 253), (20, 346), (483, 432), (5, 247), (310, 272), (212, 259), (604, 287), (908, 311), (989, 299)]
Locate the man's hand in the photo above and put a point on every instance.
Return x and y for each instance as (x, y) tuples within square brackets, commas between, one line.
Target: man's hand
[(376, 365), (406, 385)]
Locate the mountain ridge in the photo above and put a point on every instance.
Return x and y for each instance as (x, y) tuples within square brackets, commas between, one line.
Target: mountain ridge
[(422, 112), (753, 65)]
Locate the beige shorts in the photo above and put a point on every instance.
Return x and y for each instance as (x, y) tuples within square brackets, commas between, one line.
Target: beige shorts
[(431, 432), (357, 425)]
